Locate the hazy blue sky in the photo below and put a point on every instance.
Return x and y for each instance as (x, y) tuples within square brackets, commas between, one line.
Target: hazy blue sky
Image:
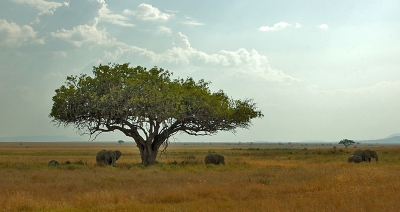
[(319, 70)]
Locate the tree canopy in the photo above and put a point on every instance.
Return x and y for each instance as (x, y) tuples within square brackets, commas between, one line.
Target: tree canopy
[(347, 142), (146, 105)]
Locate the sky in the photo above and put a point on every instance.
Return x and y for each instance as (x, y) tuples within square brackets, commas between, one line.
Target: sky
[(318, 70)]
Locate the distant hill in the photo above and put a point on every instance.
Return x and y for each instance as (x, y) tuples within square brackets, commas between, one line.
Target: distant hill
[(393, 135), (388, 140), (41, 138), (391, 139)]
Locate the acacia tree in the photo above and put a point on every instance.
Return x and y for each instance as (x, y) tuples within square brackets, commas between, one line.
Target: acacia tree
[(146, 105), (346, 142)]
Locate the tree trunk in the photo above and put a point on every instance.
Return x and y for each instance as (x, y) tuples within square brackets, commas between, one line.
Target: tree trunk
[(148, 154), (149, 148)]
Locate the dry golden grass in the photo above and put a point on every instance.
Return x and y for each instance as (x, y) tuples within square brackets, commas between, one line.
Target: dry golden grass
[(255, 178)]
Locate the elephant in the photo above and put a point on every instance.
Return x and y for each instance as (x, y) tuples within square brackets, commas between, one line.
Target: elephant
[(366, 155), (53, 163), (214, 159), (355, 159), (108, 157)]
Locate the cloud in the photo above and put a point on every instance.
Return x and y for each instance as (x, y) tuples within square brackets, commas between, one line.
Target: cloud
[(82, 34), (276, 27), (39, 4), (82, 26), (323, 26), (48, 12), (241, 63), (192, 23), (181, 41), (70, 15), (117, 19), (172, 11), (11, 34), (147, 12), (251, 64), (298, 25), (162, 30)]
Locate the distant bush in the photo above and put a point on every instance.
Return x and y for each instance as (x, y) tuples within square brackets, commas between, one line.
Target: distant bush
[(253, 148)]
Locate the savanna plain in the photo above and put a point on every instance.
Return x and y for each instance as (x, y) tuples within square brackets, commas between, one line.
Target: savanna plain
[(256, 177)]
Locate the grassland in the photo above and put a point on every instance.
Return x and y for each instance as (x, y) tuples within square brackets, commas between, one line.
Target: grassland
[(255, 178)]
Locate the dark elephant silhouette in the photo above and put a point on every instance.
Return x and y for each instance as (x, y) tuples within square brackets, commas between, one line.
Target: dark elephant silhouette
[(108, 157), (354, 159), (366, 155), (214, 159)]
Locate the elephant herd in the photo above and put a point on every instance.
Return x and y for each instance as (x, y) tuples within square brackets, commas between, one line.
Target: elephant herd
[(362, 155), (109, 157), (106, 157)]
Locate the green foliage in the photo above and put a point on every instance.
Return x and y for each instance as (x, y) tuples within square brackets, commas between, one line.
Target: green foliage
[(347, 142), (120, 94), (146, 105)]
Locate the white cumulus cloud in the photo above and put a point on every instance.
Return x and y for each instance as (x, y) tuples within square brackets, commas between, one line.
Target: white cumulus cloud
[(69, 15), (147, 12), (242, 62), (192, 23), (82, 34), (42, 5), (181, 41), (162, 30), (117, 19), (11, 34), (323, 26), (277, 26)]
